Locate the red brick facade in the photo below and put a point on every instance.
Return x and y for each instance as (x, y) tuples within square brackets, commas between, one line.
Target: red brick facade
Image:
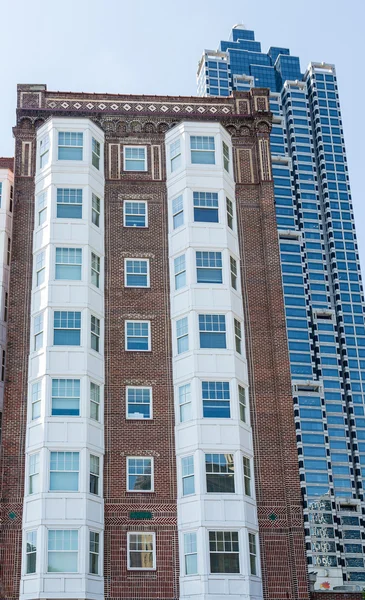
[(144, 120)]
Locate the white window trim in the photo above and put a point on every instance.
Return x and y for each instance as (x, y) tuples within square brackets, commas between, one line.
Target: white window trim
[(140, 387), (145, 158), (184, 554), (149, 335), (63, 130), (29, 493), (257, 556), (129, 533), (152, 475), (80, 481), (148, 273), (146, 213), (240, 548), (90, 402), (25, 553), (65, 527), (99, 555)]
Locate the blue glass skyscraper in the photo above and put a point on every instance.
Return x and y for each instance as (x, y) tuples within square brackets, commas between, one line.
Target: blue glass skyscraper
[(323, 292)]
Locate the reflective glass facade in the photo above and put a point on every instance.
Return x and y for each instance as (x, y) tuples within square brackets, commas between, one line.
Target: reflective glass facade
[(323, 291)]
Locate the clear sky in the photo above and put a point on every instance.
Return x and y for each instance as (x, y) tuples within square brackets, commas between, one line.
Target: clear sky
[(153, 47)]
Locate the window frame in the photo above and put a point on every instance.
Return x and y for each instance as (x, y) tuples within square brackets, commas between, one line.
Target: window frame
[(94, 402), (154, 558), (220, 474), (253, 535), (95, 262), (67, 383), (210, 256), (152, 475), (34, 552), (93, 553), (35, 473), (149, 340), (76, 133), (233, 269), (50, 471), (181, 337), (177, 211), (95, 153), (73, 551), (76, 266), (44, 147), (79, 329), (217, 400), (238, 336), (179, 263), (145, 159), (74, 205), (230, 573), (147, 274), (150, 404), (40, 268), (226, 156), (185, 404), (218, 332), (95, 209), (242, 404), (230, 213), (125, 214), (36, 399), (94, 476), (175, 157), (247, 476), (189, 475), (95, 334), (38, 321), (186, 554), (205, 208), (41, 208), (211, 151)]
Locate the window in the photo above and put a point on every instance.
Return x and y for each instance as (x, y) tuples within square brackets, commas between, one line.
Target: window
[(224, 552), (38, 332), (139, 403), (67, 328), (238, 336), (209, 267), (36, 400), (69, 203), (205, 207), (68, 263), (139, 474), (136, 273), (11, 199), (185, 402), (216, 399), (94, 553), (94, 401), (95, 210), (233, 266), (95, 333), (135, 214), (135, 158), (3, 369), (138, 336), (95, 148), (229, 207), (40, 268), (63, 546), (212, 331), (42, 208), (31, 552), (226, 157), (180, 271), (219, 469), (190, 554), (253, 553), (187, 472), (1, 191), (95, 269), (6, 300), (65, 397), (70, 145), (175, 155), (178, 212), (141, 551), (44, 151), (202, 150), (8, 254), (242, 402), (94, 474), (64, 472), (34, 473), (247, 475), (182, 335)]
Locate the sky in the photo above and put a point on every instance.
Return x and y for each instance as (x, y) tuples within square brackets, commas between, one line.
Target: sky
[(153, 47)]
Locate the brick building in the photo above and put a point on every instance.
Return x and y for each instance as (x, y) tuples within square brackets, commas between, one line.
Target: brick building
[(149, 447)]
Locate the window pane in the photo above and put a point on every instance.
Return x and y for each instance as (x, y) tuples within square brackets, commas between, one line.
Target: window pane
[(135, 214), (65, 397), (139, 403)]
